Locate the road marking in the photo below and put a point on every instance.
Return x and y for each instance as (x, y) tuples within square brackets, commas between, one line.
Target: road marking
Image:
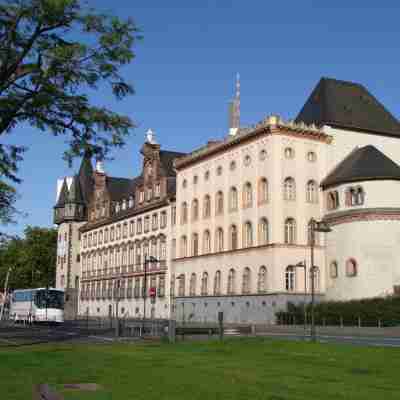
[(101, 338), (7, 341)]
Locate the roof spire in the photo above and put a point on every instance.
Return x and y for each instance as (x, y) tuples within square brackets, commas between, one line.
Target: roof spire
[(150, 137), (234, 110)]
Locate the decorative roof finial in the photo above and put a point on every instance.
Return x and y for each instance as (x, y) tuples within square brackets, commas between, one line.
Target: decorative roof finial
[(234, 110), (238, 86), (99, 167), (150, 137)]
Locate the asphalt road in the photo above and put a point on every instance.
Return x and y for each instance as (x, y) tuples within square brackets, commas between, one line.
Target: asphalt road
[(19, 335)]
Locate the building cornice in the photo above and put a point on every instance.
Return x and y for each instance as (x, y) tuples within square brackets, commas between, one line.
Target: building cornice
[(272, 125), (245, 249), (363, 214), (125, 214)]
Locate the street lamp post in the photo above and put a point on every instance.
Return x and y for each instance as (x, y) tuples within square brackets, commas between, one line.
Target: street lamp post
[(147, 259), (302, 264), (316, 226)]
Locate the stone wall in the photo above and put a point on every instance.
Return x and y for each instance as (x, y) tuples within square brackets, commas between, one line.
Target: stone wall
[(257, 309)]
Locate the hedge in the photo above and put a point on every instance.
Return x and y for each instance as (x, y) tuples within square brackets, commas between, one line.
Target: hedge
[(370, 312)]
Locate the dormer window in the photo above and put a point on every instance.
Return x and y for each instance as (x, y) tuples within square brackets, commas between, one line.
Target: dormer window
[(141, 196), (157, 190), (355, 196), (130, 204), (124, 204), (149, 194), (117, 207)]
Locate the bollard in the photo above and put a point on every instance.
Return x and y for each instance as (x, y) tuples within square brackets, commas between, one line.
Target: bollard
[(341, 322), (379, 323), (359, 322), (253, 330)]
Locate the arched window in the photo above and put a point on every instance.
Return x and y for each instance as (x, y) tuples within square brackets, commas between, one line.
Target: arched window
[(219, 240), (219, 203), (289, 152), (290, 278), (247, 234), (351, 267), (206, 242), (262, 280), (195, 210), (207, 206), (183, 246), (217, 283), (263, 231), (246, 281), (204, 284), (316, 276), (231, 281), (181, 285), (247, 195), (311, 192), (262, 191), (233, 236), (233, 199), (290, 231), (333, 270), (192, 285), (195, 244), (289, 189), (333, 200), (184, 213)]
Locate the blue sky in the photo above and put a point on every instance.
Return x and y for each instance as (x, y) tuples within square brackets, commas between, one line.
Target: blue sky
[(185, 69)]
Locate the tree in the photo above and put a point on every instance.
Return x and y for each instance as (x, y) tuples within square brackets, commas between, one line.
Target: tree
[(33, 258), (53, 54)]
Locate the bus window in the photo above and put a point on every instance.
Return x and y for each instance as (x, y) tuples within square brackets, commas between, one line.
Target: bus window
[(49, 299)]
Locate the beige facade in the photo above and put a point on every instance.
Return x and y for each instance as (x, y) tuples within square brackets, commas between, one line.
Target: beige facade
[(243, 208), (115, 254)]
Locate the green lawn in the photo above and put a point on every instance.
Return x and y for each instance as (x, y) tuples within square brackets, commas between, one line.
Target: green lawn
[(247, 369)]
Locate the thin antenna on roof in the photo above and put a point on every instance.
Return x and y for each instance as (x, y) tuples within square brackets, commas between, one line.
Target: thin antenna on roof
[(234, 110)]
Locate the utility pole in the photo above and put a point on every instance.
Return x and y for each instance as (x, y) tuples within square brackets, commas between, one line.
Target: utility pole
[(5, 293)]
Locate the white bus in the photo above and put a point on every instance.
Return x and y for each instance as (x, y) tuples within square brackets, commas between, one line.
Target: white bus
[(37, 305)]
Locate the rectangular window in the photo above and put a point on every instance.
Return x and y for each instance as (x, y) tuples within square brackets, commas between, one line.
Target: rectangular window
[(147, 224), (106, 235), (84, 241), (125, 230), (112, 234), (154, 223), (95, 239), (101, 237), (118, 232), (90, 240), (149, 194), (173, 215), (132, 228), (163, 220), (157, 190), (139, 226), (141, 196)]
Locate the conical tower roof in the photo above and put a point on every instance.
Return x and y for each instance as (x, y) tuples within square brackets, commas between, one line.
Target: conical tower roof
[(363, 164), (75, 193), (63, 195), (85, 177)]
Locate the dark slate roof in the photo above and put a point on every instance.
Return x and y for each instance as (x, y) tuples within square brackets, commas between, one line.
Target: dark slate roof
[(167, 159), (363, 164), (120, 188), (62, 197), (85, 175), (75, 193), (347, 105)]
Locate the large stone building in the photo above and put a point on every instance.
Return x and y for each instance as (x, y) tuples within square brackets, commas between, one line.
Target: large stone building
[(244, 210)]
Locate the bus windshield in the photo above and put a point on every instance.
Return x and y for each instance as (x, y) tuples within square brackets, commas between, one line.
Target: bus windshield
[(49, 299)]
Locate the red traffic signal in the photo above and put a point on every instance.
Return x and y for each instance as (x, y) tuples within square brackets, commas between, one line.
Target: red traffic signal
[(153, 292)]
